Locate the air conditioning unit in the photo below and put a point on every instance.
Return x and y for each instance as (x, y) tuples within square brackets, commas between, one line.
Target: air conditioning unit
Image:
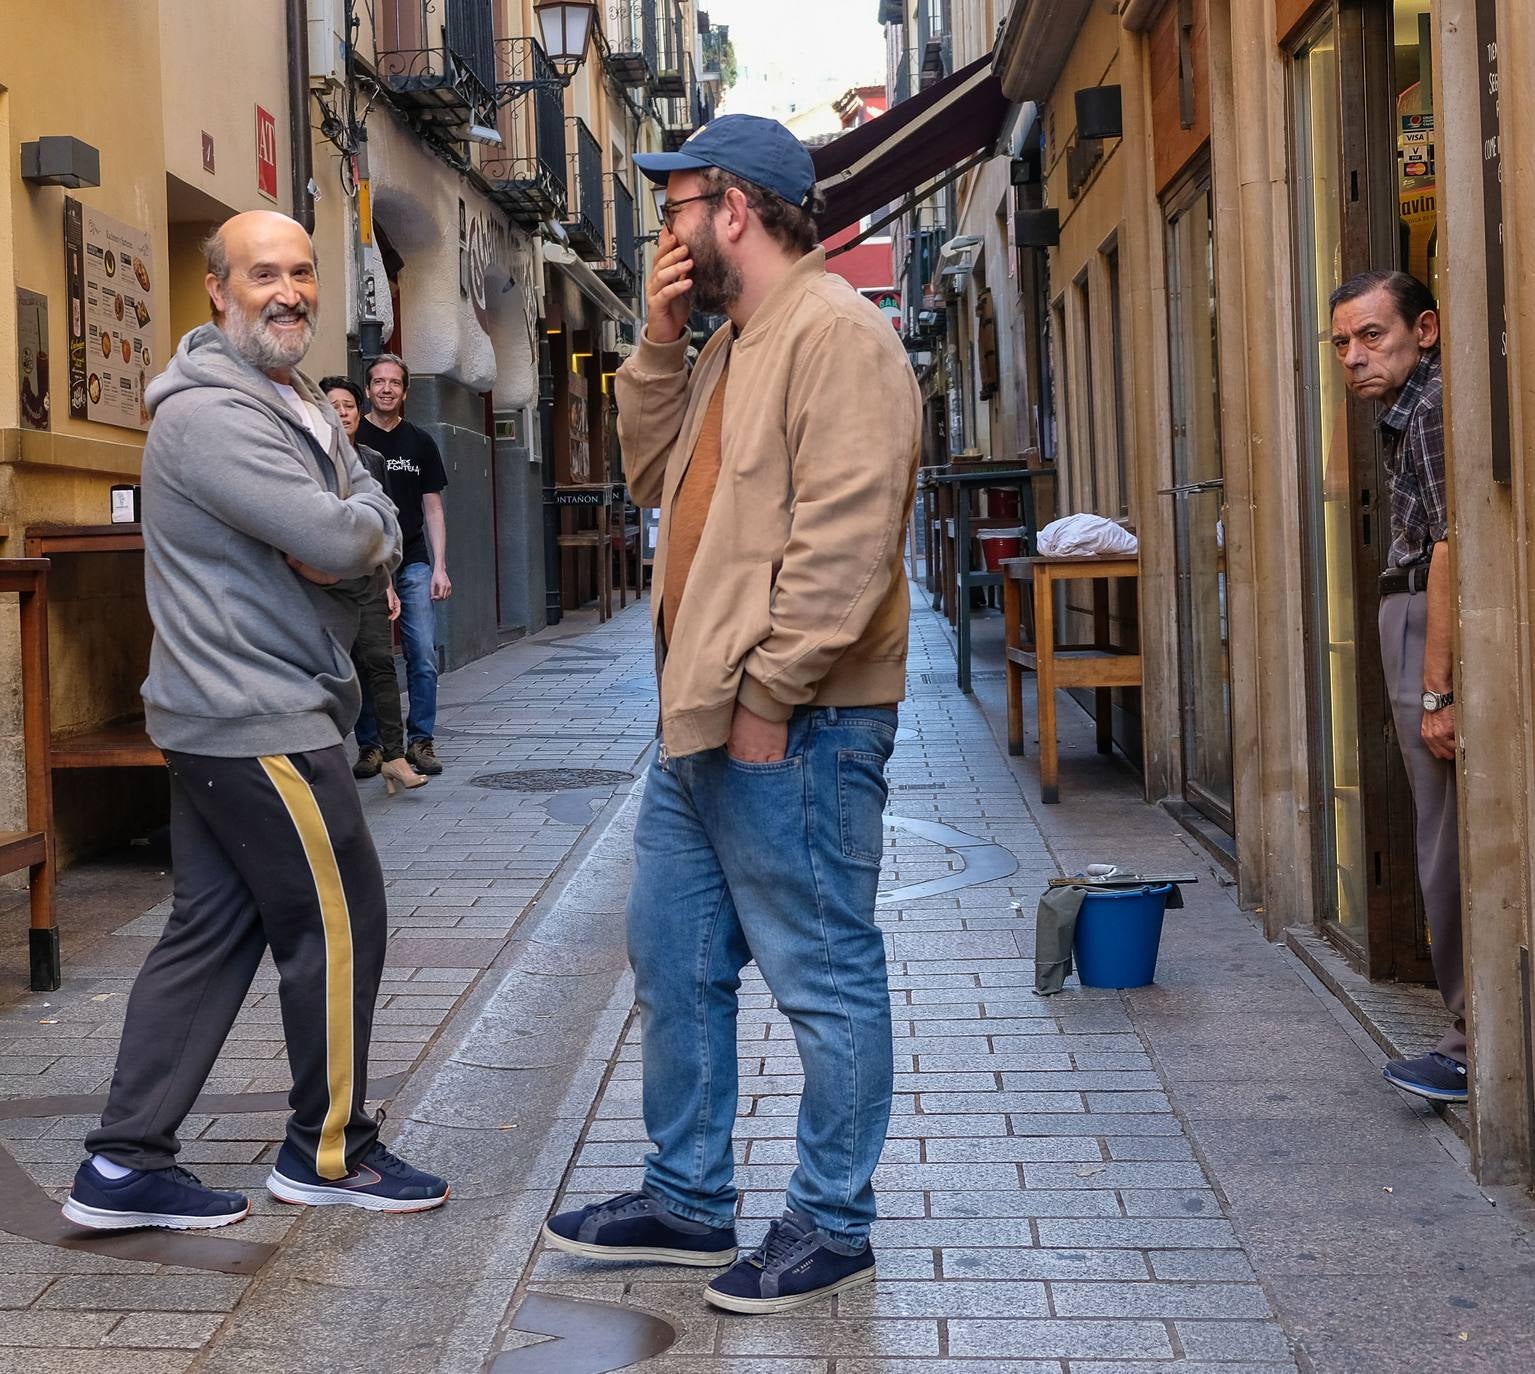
[(327, 44)]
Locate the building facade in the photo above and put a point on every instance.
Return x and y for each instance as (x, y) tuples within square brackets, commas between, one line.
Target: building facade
[(1200, 175)]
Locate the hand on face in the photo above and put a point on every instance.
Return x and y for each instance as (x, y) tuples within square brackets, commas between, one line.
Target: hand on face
[(668, 292)]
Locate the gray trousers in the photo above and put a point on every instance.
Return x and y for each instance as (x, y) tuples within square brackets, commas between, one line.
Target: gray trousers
[(1403, 625), (268, 853)]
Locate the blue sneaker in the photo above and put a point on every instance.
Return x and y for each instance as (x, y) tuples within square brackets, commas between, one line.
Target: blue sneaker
[(795, 1264), (635, 1226), (172, 1198), (1434, 1076), (379, 1182)]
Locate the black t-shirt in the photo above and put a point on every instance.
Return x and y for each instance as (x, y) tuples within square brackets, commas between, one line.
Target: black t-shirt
[(412, 468)]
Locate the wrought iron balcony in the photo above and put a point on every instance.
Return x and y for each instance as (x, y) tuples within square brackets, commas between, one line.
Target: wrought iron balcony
[(679, 113), (673, 72), (620, 270), (629, 29), (440, 69), (527, 174), (584, 224)]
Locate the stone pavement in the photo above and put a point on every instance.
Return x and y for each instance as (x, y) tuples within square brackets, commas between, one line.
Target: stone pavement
[(1207, 1174)]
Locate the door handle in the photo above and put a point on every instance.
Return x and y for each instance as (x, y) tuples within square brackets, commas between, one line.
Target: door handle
[(1190, 488)]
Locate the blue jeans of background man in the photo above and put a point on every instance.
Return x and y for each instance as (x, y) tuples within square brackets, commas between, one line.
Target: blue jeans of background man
[(777, 862), (418, 638)]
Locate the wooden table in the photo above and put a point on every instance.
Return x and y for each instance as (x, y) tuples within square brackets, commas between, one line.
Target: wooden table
[(1098, 664), (32, 848), (123, 744), (956, 484)]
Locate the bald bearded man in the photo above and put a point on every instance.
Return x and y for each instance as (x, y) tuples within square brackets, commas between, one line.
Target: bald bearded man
[(255, 508)]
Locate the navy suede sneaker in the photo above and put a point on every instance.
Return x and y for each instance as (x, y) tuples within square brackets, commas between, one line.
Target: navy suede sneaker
[(379, 1182), (1434, 1076), (636, 1226), (173, 1198), (795, 1264)]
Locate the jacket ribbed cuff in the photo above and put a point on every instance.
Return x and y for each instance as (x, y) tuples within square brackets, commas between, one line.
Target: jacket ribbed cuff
[(759, 701), (658, 357)]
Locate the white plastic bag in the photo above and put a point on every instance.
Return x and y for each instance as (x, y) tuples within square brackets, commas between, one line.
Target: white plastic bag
[(1082, 536)]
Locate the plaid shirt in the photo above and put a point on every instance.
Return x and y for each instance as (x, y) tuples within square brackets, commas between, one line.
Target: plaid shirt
[(1413, 432)]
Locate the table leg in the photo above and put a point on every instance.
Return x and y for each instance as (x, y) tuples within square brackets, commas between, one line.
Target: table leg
[(43, 935), (1044, 651), (962, 579), (1104, 717), (1012, 616)]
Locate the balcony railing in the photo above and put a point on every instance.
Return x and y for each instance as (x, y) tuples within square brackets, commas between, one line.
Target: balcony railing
[(527, 174), (630, 30), (679, 113), (441, 69), (621, 268), (672, 59), (583, 226)]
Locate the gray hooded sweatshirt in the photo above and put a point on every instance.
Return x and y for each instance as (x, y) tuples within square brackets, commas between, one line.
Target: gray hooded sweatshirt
[(249, 658)]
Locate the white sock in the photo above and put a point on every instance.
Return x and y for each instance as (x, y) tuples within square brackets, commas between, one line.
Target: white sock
[(107, 1169)]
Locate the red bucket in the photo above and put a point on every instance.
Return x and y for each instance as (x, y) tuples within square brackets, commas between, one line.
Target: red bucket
[(999, 544), (1002, 503)]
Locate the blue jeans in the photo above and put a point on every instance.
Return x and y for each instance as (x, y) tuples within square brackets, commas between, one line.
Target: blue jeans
[(418, 637), (777, 862)]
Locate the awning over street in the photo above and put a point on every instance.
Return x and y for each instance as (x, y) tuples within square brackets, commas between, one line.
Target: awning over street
[(869, 167)]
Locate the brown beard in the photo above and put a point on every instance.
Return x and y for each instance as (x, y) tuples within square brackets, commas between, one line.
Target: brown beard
[(716, 282)]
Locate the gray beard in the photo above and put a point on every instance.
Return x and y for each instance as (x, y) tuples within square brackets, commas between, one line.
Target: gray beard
[(252, 338)]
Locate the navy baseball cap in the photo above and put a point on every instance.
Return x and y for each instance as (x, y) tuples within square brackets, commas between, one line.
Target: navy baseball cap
[(753, 148)]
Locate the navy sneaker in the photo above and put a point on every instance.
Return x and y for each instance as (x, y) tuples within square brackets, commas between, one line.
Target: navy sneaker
[(635, 1226), (795, 1264), (1434, 1076), (173, 1198), (379, 1182)]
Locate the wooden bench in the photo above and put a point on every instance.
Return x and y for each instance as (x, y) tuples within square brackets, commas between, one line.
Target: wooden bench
[(1098, 665), (32, 848)]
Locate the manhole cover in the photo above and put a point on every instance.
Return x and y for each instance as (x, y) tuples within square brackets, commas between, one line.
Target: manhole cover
[(551, 779)]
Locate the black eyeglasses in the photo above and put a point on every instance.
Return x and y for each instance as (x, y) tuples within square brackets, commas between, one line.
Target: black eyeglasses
[(667, 209)]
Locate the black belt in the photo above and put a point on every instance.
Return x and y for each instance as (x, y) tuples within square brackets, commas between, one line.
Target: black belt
[(1410, 579)]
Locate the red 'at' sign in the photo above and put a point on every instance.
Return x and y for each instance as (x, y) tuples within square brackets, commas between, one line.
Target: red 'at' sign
[(266, 153)]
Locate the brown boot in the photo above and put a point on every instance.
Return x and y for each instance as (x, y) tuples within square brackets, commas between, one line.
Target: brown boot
[(423, 758), (369, 761)]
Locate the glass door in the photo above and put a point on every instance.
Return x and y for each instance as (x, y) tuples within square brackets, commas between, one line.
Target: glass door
[(1199, 505), (1325, 475)]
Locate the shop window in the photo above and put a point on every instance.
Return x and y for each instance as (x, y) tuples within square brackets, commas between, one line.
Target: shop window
[(1086, 392)]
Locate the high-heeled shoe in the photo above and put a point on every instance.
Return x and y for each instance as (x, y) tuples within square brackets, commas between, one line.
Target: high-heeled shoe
[(398, 771)]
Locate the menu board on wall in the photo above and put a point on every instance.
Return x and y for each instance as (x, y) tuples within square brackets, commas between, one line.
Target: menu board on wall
[(109, 271)]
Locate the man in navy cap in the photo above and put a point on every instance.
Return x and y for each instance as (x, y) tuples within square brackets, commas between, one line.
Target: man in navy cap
[(783, 464)]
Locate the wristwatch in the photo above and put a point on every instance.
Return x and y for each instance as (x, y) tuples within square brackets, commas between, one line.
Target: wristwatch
[(1437, 701)]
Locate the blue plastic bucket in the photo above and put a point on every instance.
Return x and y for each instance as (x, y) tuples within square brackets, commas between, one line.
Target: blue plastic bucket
[(1118, 931)]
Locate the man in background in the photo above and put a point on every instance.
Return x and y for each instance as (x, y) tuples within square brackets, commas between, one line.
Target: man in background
[(414, 479)]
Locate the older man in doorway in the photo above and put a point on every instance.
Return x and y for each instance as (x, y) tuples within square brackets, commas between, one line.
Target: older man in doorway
[(1385, 331)]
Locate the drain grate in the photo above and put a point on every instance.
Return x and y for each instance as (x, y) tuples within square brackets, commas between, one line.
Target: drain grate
[(551, 779)]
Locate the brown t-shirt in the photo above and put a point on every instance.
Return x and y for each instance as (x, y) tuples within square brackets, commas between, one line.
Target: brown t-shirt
[(691, 508)]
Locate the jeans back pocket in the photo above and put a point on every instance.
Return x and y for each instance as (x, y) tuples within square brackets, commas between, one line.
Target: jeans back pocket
[(861, 796)]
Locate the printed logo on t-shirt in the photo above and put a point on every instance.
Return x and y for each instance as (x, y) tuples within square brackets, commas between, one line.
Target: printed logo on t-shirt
[(402, 465)]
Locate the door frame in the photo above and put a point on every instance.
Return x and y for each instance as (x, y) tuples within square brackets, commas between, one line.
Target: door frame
[(1393, 945)]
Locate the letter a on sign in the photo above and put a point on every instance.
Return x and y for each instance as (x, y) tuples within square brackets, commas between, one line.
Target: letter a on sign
[(266, 153)]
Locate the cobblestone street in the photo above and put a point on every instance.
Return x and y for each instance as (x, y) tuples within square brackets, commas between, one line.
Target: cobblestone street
[(1205, 1174)]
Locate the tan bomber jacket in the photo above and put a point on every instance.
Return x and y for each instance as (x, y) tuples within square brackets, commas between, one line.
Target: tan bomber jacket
[(796, 595)]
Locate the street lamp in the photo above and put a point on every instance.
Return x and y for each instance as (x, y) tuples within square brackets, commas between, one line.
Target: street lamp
[(566, 26)]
